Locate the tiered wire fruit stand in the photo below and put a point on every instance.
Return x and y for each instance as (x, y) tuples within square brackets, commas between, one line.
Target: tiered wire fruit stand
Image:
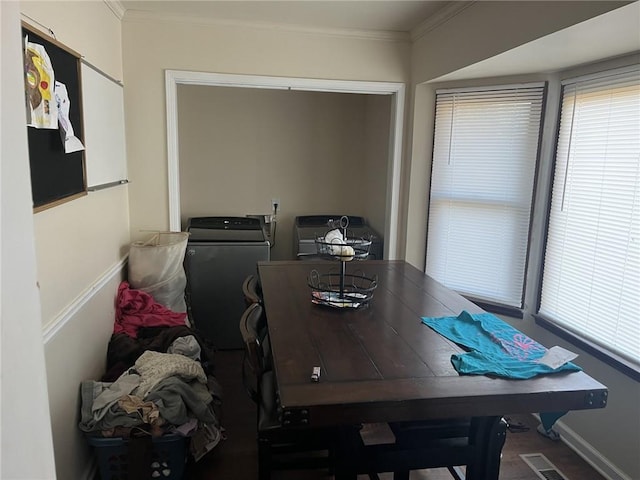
[(341, 289)]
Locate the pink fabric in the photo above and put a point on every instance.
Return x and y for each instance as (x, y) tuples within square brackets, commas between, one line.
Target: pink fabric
[(136, 309)]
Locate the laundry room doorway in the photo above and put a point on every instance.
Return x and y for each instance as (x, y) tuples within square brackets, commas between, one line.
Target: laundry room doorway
[(237, 142)]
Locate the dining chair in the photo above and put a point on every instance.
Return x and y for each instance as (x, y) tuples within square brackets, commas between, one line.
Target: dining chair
[(418, 445), (251, 290), (448, 443), (280, 447)]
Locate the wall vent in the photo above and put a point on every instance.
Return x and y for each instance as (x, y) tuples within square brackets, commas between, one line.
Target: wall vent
[(542, 467)]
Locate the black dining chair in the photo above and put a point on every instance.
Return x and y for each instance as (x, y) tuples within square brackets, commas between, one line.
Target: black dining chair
[(251, 290), (425, 445), (279, 447), (420, 445)]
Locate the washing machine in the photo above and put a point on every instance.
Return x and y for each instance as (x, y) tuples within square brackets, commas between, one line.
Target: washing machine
[(221, 253), (308, 227)]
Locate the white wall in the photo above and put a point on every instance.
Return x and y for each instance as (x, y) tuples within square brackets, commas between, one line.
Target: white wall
[(79, 247), (27, 448)]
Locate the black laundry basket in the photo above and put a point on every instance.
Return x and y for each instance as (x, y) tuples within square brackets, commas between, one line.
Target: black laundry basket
[(168, 457)]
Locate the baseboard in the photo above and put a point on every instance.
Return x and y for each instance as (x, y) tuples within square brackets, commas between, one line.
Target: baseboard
[(52, 328), (587, 452)]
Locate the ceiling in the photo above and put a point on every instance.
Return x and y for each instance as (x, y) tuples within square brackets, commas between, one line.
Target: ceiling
[(612, 34), (609, 35), (377, 15)]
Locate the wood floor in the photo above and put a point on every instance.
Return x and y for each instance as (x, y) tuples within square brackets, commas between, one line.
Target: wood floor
[(236, 457)]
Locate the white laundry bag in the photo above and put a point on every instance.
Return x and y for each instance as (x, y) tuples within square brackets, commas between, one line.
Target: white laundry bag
[(156, 267)]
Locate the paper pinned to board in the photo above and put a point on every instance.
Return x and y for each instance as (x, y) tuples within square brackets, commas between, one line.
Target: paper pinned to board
[(557, 356), (69, 140), (42, 110)]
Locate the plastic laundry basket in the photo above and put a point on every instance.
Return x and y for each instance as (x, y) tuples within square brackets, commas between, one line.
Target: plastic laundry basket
[(167, 461), (156, 267)]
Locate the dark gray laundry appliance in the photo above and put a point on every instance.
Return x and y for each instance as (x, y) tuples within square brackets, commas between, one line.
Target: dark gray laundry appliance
[(221, 253), (308, 227)]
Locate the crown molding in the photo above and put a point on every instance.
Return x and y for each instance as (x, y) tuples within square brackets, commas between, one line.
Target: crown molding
[(116, 7), (441, 16), (153, 17)]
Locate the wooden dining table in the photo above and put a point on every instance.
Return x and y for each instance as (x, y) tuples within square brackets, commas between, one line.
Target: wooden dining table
[(380, 363)]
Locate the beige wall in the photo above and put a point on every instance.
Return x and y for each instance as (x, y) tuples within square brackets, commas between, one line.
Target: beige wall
[(77, 244), (225, 49), (316, 152), (374, 175)]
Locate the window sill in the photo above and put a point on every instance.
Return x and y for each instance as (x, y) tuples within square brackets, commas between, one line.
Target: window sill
[(497, 308), (613, 360)]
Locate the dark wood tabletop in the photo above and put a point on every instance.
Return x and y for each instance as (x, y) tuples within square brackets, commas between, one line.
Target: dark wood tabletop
[(380, 363)]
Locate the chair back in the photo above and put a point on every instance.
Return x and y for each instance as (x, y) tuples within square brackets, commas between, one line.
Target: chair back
[(251, 290), (253, 330)]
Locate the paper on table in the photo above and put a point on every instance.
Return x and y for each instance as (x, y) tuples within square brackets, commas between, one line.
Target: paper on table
[(556, 357)]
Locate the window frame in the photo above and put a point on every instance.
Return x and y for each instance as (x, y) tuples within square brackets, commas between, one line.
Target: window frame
[(499, 84), (539, 219), (600, 352)]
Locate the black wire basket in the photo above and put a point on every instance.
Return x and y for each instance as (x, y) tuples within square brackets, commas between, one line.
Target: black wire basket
[(341, 290), (336, 244), (349, 249)]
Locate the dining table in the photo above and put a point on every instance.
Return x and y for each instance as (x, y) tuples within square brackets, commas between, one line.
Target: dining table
[(379, 363)]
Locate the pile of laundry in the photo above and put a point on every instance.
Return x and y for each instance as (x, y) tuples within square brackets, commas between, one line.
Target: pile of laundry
[(159, 378)]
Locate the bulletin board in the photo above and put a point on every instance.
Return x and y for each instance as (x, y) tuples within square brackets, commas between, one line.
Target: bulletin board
[(56, 176)]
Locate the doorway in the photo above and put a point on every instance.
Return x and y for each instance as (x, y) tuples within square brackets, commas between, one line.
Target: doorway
[(394, 90)]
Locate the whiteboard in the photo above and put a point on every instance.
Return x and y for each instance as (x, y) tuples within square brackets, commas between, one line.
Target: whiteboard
[(104, 137)]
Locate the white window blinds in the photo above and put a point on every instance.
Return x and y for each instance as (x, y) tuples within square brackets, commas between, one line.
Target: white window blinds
[(484, 161), (591, 278)]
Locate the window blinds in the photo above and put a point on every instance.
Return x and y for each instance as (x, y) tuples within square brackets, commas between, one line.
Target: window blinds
[(484, 161), (591, 278)]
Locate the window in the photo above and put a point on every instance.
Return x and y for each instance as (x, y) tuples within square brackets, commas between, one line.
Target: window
[(591, 273), (484, 161)]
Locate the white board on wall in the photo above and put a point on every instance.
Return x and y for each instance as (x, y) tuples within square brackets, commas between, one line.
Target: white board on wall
[(104, 137)]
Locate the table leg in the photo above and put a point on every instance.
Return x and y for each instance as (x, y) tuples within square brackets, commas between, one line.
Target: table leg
[(345, 468), (488, 435)]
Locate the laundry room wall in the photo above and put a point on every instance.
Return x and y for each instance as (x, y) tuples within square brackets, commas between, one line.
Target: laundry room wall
[(316, 152), (375, 176)]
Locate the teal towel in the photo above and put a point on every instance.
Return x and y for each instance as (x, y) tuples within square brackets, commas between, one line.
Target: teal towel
[(496, 348)]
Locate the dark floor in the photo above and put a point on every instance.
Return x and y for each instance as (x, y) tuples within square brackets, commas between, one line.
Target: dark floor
[(236, 457)]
